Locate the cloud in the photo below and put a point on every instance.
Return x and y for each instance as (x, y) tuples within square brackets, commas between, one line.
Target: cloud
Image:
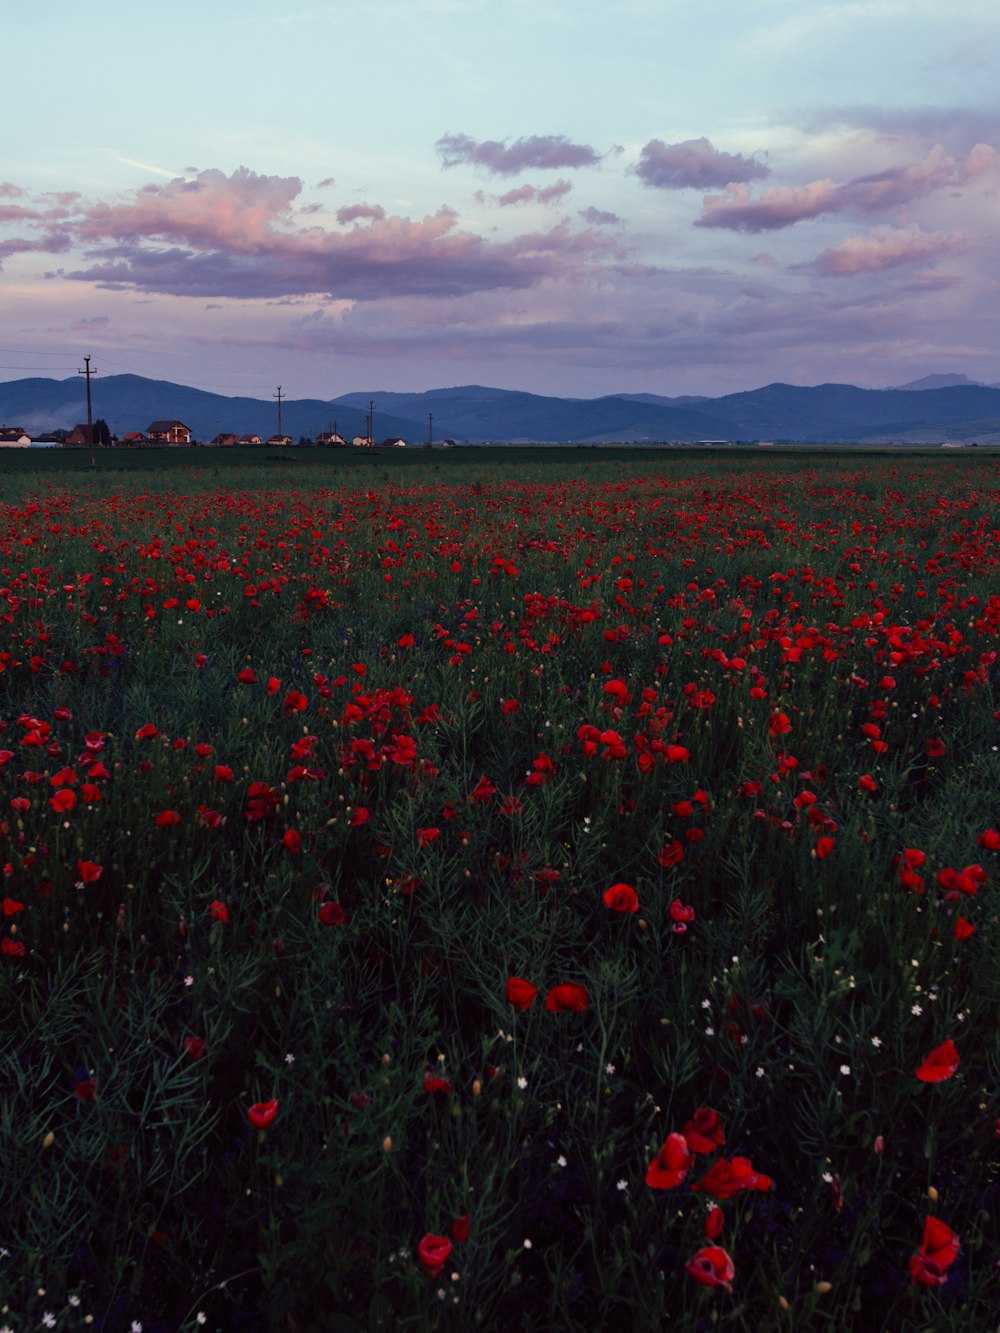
[(536, 151), (89, 325), (526, 194), (598, 217), (695, 165), (737, 210), (887, 247), (355, 212), (8, 191), (325, 183), (236, 236)]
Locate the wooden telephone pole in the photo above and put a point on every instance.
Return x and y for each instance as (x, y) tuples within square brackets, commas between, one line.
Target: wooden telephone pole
[(90, 415), (279, 395)]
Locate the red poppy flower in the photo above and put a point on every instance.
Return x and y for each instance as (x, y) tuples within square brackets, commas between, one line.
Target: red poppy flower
[(940, 1064), (703, 1133), (435, 1085), (621, 898), (147, 732), (195, 1046), (779, 724), (938, 1251), (460, 1229), (963, 929), (726, 1178), (219, 912), (990, 840), (712, 1267), (12, 948), (262, 1114), (935, 748), (425, 836), (520, 993), (714, 1223), (85, 1090), (11, 906), (568, 995), (433, 1252), (63, 801), (88, 871), (670, 855), (670, 1165), (359, 816), (292, 840), (681, 915), (332, 914), (167, 818)]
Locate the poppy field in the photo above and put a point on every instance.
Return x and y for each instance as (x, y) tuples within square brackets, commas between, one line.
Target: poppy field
[(500, 892)]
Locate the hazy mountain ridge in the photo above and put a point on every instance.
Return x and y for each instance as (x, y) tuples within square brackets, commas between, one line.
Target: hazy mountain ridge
[(477, 413)]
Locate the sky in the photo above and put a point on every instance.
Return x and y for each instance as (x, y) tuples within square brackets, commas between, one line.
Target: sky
[(560, 196)]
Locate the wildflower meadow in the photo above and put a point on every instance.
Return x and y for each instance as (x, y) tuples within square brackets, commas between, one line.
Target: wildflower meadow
[(544, 890)]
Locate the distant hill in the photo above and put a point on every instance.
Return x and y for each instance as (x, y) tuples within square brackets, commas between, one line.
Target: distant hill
[(473, 412), (836, 413), (939, 382)]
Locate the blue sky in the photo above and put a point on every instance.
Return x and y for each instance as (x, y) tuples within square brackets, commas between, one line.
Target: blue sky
[(690, 196)]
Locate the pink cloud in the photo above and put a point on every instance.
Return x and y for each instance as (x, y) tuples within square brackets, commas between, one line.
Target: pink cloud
[(356, 212), (236, 236), (325, 183), (886, 247), (9, 191), (695, 165), (539, 151), (525, 194), (737, 210)]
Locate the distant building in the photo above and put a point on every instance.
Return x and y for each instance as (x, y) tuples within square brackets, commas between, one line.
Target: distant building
[(79, 437), (393, 442), (245, 441), (14, 437), (134, 439), (363, 441), (169, 432), (330, 437), (225, 440), (279, 441)]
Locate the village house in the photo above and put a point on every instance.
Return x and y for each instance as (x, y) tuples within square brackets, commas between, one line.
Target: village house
[(247, 440), (14, 437), (169, 432), (79, 437), (225, 440), (363, 441), (393, 442), (279, 441), (134, 438), (330, 437)]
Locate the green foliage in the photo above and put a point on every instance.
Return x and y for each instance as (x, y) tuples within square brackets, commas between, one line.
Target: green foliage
[(352, 965)]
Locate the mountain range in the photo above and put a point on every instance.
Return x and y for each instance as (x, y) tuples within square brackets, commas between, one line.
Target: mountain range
[(936, 408)]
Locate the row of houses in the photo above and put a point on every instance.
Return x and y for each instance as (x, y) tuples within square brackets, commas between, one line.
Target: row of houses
[(177, 433)]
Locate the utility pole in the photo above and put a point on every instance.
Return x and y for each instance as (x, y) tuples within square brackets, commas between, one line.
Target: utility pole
[(90, 416), (371, 424), (279, 395), (430, 430)]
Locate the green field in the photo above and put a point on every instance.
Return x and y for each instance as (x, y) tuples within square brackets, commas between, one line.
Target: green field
[(328, 786)]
